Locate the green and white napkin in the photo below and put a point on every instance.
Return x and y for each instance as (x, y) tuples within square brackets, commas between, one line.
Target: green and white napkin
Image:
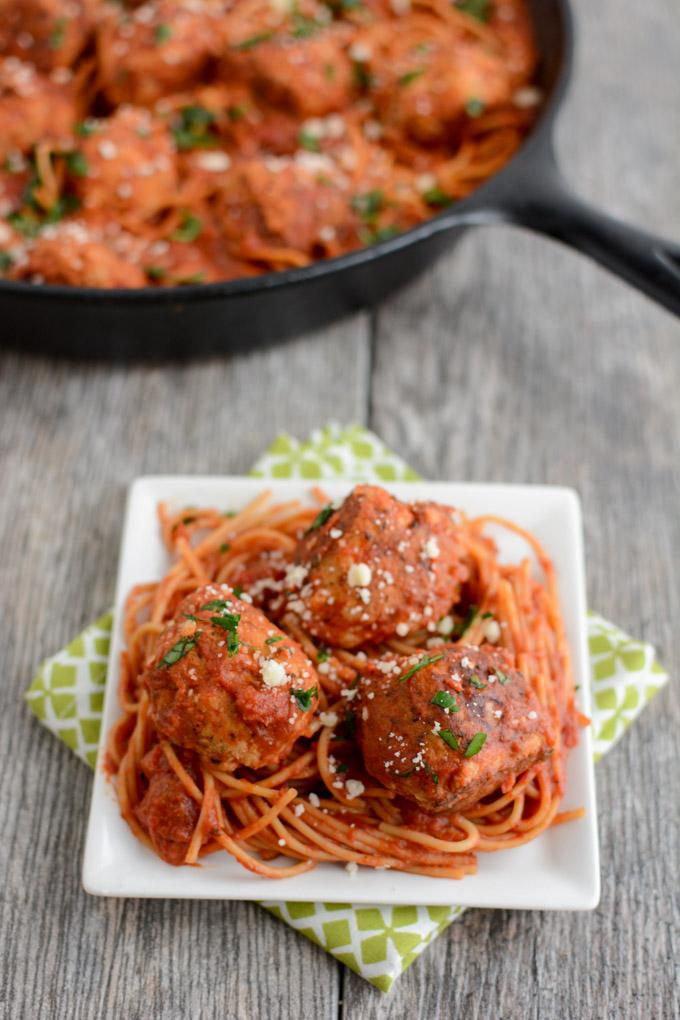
[(378, 942)]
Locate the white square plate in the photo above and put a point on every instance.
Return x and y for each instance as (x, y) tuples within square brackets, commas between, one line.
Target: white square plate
[(558, 871)]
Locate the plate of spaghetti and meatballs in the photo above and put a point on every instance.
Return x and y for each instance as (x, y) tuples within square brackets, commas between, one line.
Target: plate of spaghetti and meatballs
[(365, 693), (179, 142)]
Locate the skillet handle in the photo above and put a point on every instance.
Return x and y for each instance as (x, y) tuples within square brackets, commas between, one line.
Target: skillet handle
[(545, 204)]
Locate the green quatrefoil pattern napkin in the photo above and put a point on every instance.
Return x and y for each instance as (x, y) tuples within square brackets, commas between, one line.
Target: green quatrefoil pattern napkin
[(378, 942)]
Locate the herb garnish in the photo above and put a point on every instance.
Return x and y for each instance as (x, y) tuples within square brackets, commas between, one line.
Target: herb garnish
[(475, 745), (191, 130), (189, 229), (502, 677), (56, 39), (320, 519), (304, 697), (229, 622), (322, 655), (235, 113), (347, 727), (443, 699), (6, 261), (362, 76), (406, 79), (156, 272), (404, 775), (253, 41), (478, 9), (342, 767), (449, 738), (86, 128), (308, 141), (162, 33), (225, 547), (303, 26), (431, 773), (238, 590), (369, 204), (273, 639), (180, 649), (461, 627), (437, 198), (476, 682), (426, 660), (474, 107), (487, 616)]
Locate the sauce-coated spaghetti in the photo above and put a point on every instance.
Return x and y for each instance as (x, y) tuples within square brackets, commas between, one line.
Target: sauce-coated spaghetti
[(190, 141), (493, 669)]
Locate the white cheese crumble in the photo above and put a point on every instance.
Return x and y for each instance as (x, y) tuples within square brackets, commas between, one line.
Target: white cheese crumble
[(351, 867), (213, 162), (298, 810), (492, 631), (431, 548), (364, 713), (335, 533), (359, 575), (273, 673), (314, 800), (402, 629), (354, 788), (445, 626), (350, 693), (295, 576), (533, 715), (526, 97), (328, 718)]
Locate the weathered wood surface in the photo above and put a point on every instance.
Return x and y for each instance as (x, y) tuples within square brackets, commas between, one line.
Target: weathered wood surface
[(512, 360)]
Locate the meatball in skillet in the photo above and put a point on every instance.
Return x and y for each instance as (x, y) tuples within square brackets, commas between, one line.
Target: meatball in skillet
[(228, 684), (445, 729), (377, 568)]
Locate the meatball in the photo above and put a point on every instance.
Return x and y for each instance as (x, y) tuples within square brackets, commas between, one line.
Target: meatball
[(427, 89), (445, 729), (128, 165), (311, 75), (228, 684), (166, 810), (279, 202), (33, 108), (49, 33), (163, 46), (378, 568), (74, 254)]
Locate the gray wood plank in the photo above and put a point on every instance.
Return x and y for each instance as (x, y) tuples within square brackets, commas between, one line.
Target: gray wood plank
[(72, 438), (534, 365)]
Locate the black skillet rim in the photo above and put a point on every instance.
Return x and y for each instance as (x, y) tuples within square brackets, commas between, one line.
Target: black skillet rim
[(486, 196)]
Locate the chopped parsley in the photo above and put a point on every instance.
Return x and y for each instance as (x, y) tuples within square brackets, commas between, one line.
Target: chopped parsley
[(437, 198), (85, 128), (273, 639), (304, 698), (308, 141), (229, 622), (404, 775), (189, 229), (303, 26), (320, 518), (155, 272), (347, 727), (253, 41), (162, 33), (487, 616), (475, 745), (238, 590), (322, 655), (180, 649), (410, 76), (474, 107), (369, 204), (184, 281), (217, 605), (225, 547), (427, 660), (56, 40), (6, 261), (478, 9), (431, 773), (502, 677), (443, 699), (343, 767), (362, 76), (476, 682), (463, 625), (367, 236), (192, 129), (235, 113), (449, 738)]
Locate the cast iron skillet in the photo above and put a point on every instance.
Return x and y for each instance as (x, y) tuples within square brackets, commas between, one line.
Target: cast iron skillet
[(241, 314)]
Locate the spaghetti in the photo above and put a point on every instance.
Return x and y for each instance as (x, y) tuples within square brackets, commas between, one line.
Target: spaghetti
[(179, 142), (318, 803)]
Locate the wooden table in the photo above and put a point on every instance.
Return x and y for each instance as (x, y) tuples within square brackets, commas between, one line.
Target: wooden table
[(513, 360)]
